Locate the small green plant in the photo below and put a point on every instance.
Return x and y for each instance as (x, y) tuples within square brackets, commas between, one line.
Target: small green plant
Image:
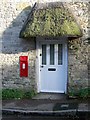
[(84, 93), (0, 94), (29, 94), (17, 94), (81, 93)]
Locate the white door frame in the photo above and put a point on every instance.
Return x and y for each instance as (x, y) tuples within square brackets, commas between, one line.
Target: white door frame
[(55, 40)]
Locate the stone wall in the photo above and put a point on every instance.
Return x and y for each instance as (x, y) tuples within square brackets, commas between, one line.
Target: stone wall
[(78, 58), (13, 14)]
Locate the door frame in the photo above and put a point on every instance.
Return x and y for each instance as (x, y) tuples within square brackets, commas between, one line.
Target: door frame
[(56, 40)]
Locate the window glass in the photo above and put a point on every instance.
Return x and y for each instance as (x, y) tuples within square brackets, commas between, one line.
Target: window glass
[(60, 54), (51, 54), (43, 54)]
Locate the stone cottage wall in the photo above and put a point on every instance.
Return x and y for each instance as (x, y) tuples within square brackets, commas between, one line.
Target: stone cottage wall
[(78, 51), (13, 14)]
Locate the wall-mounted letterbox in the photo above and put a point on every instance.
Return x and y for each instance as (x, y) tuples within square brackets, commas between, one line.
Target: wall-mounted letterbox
[(23, 66)]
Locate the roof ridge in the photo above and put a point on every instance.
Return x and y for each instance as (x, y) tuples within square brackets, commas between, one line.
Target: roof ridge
[(49, 5)]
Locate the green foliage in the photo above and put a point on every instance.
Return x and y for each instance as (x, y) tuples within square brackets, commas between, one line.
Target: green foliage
[(0, 94), (17, 94), (84, 93), (29, 94), (81, 93)]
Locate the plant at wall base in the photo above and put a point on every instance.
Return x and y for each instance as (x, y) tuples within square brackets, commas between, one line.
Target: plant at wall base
[(84, 93), (12, 94), (17, 94), (29, 94), (0, 94), (81, 93)]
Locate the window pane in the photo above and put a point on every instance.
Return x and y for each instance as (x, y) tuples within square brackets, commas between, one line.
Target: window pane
[(52, 54), (43, 54), (60, 54)]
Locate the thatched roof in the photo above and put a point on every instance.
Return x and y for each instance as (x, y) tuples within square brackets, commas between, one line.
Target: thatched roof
[(50, 19)]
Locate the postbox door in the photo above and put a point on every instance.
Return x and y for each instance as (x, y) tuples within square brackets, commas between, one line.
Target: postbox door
[(23, 66)]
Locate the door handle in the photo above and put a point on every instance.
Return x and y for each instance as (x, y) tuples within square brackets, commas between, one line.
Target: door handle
[(41, 66)]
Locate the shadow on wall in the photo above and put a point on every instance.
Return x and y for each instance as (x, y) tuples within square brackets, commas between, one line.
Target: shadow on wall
[(12, 48), (11, 43)]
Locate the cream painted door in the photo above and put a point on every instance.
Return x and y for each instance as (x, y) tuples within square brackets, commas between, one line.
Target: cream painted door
[(52, 68)]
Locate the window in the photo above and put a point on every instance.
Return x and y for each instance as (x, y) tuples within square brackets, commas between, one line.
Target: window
[(60, 54), (51, 54), (43, 54)]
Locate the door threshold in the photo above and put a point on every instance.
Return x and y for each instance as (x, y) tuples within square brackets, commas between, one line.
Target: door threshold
[(51, 96)]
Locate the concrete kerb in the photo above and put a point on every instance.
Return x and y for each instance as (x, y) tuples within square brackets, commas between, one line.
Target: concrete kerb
[(70, 112), (40, 113)]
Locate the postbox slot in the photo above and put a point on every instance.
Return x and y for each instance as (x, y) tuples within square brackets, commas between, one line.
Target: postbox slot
[(23, 66)]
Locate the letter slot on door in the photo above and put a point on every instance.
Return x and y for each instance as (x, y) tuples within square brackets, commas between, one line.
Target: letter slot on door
[(23, 66)]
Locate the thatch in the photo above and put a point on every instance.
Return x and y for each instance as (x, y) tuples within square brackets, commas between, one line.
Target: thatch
[(50, 19)]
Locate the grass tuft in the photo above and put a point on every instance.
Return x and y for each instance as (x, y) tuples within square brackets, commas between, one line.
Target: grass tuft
[(17, 94)]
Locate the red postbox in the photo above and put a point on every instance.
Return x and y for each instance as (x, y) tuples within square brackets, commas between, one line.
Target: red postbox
[(23, 66)]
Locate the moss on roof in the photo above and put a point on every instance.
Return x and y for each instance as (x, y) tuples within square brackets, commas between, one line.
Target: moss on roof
[(52, 19)]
